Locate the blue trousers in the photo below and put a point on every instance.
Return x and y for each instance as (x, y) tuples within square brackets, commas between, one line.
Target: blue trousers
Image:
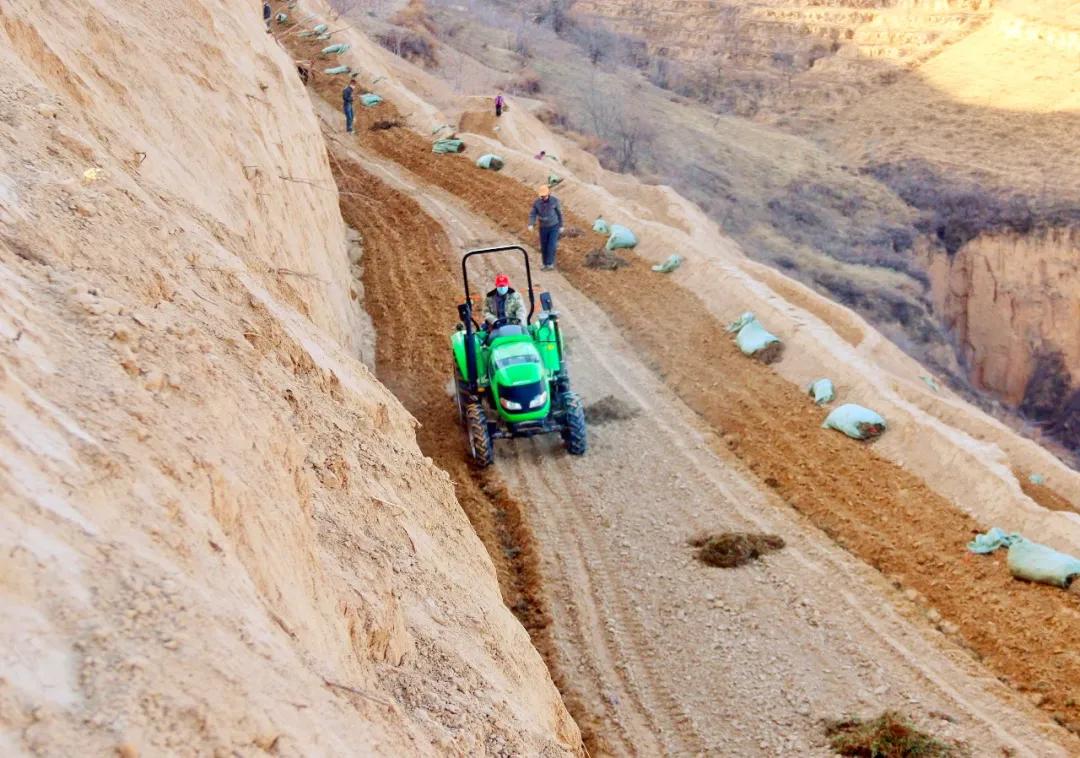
[(350, 114), (549, 240)]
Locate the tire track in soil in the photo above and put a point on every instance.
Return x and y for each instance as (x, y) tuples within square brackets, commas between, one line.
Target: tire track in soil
[(1027, 634), (669, 722), (407, 278)]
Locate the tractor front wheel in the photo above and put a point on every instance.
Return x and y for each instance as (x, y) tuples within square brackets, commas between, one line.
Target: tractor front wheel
[(481, 449), (574, 435)]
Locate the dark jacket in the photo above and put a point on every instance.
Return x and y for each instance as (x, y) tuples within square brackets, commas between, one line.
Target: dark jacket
[(347, 95), (266, 11), (547, 210)]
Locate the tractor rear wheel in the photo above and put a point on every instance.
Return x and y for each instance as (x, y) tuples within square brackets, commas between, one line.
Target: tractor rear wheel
[(574, 435), (481, 449)]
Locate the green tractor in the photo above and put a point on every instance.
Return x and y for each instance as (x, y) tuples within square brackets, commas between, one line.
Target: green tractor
[(510, 379)]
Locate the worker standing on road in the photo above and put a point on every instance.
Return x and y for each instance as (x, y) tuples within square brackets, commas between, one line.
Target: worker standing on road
[(347, 104), (548, 212), (266, 14), (503, 303), (500, 103)]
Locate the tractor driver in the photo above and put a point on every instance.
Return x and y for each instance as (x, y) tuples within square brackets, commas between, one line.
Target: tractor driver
[(503, 303)]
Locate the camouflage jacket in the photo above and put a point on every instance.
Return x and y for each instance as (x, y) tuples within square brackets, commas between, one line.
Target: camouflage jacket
[(509, 306)]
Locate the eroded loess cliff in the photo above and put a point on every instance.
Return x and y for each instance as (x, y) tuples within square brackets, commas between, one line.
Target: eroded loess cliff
[(218, 534), (1013, 302)]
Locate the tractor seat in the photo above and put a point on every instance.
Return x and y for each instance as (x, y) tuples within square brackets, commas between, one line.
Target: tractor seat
[(508, 330)]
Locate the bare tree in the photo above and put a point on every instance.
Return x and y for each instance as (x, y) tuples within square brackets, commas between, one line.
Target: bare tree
[(597, 42), (626, 136), (631, 138)]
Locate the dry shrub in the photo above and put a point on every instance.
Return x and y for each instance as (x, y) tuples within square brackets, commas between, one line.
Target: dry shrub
[(415, 16), (413, 35), (731, 549), (527, 82), (887, 736), (552, 116), (571, 232)]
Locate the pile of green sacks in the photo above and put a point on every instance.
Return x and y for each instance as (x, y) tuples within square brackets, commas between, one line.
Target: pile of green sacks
[(490, 161), (1030, 560), (822, 391), (855, 421), (448, 145), (750, 335), (620, 237)]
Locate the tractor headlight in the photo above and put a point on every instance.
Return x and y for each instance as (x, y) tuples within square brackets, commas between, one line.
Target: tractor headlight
[(539, 400), (509, 405)]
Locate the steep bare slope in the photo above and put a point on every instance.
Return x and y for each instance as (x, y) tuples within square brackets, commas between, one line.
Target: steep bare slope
[(218, 534)]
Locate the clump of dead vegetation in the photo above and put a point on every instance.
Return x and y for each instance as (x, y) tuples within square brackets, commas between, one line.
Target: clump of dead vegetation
[(731, 549), (605, 259), (387, 123), (887, 736)]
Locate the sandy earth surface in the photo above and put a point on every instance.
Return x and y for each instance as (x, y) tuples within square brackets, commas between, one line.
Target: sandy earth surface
[(660, 654)]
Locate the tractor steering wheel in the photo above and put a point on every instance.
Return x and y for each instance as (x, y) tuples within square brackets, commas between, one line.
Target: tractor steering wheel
[(501, 322)]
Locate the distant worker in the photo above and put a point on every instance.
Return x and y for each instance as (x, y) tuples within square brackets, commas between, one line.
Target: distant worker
[(547, 210), (541, 155), (347, 103), (500, 105), (267, 13), (503, 303)]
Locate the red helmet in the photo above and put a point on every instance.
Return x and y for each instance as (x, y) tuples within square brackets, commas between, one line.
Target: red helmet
[(502, 280)]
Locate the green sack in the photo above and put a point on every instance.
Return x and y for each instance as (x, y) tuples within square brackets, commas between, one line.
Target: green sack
[(337, 70), (621, 237), (554, 179), (673, 262), (370, 100), (751, 337), (282, 17), (600, 226), (490, 161), (855, 421), (1037, 479), (1030, 560), (337, 49), (822, 391), (449, 145), (320, 29)]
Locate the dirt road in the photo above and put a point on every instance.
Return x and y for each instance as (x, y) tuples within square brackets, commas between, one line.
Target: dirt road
[(660, 653)]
